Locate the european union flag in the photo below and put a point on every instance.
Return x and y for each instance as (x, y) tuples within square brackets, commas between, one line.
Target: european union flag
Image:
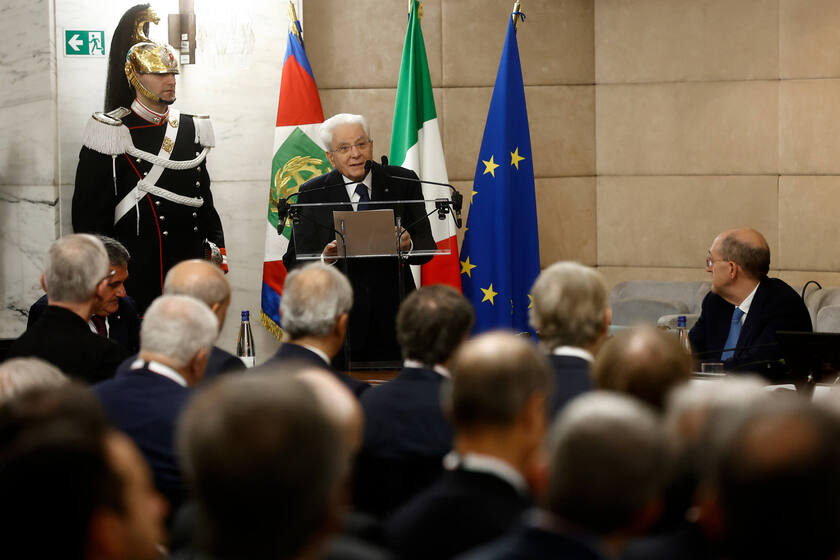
[(500, 255)]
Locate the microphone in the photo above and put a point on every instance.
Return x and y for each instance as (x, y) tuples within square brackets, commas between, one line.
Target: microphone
[(457, 197)]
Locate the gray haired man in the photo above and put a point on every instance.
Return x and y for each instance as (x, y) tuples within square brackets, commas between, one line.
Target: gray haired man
[(144, 402), (76, 278)]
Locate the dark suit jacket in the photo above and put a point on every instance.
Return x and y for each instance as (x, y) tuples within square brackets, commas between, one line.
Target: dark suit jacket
[(290, 352), (406, 437), (65, 340), (375, 280), (123, 325), (534, 543), (460, 511), (145, 405), (571, 378), (775, 307), (220, 362)]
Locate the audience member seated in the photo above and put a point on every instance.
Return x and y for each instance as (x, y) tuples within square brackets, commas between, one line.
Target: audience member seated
[(498, 400), (696, 416), (315, 309), (19, 374), (571, 318), (266, 466), (406, 434), (205, 282), (644, 362), (740, 316), (777, 485), (144, 402), (70, 486), (76, 278), (115, 315), (608, 457)]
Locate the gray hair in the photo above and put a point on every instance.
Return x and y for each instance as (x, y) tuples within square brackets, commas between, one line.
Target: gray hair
[(178, 327), (118, 255), (76, 264), (314, 297), (493, 376), (263, 458), (329, 125), (609, 457), (569, 305), (211, 288), (20, 374)]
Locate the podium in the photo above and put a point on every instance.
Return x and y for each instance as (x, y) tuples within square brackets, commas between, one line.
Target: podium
[(369, 254)]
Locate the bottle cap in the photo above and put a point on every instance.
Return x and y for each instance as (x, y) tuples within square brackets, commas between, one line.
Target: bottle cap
[(246, 315)]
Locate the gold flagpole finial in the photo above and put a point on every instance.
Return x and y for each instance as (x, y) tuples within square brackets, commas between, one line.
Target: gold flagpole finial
[(419, 8), (292, 19), (517, 13)]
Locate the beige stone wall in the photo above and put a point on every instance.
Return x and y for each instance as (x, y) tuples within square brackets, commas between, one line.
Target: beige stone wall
[(654, 123)]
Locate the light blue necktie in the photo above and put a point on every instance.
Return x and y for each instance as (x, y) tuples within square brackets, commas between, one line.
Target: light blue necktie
[(361, 190), (734, 333)]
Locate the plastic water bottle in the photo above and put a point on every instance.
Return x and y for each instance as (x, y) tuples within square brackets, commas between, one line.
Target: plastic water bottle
[(245, 342), (682, 332)]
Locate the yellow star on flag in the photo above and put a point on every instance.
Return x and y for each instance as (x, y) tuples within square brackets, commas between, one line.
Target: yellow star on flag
[(489, 294), (515, 158), (490, 167), (466, 267), (472, 196), (530, 301)]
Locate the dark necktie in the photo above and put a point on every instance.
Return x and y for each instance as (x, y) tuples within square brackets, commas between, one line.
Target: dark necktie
[(734, 333), (361, 190), (99, 323)]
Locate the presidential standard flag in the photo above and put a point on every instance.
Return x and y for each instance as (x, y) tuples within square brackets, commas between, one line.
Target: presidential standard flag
[(298, 156), (500, 257), (415, 145)]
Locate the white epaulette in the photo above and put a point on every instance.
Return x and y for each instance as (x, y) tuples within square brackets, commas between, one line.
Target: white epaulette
[(105, 133), (204, 131)]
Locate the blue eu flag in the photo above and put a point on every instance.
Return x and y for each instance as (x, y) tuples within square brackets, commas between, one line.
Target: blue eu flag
[(500, 255)]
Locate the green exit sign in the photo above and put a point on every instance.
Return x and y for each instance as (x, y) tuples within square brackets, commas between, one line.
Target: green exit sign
[(79, 42)]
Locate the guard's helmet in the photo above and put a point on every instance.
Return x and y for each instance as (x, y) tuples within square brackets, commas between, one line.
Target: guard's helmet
[(149, 58)]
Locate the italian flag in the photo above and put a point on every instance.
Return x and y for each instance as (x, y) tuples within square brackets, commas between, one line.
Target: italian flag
[(298, 156), (416, 145)]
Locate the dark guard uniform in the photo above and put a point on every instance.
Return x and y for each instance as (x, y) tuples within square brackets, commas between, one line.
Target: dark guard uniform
[(158, 229)]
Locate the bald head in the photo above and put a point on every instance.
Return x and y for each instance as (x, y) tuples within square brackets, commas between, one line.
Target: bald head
[(746, 247), (644, 362), (203, 281)]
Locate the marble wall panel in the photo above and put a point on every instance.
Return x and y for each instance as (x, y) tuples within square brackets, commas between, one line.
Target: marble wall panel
[(26, 59), (566, 213), (798, 278), (808, 112), (667, 41), (671, 221), (689, 128), (808, 39), (555, 41), (27, 144), (28, 218), (808, 226)]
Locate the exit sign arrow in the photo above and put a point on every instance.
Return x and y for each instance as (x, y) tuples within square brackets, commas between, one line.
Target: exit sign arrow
[(75, 42)]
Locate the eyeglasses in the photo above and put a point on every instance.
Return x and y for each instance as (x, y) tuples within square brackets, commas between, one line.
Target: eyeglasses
[(345, 148), (710, 261)]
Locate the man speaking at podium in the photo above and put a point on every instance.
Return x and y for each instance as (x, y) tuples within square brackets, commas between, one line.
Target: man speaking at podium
[(354, 181)]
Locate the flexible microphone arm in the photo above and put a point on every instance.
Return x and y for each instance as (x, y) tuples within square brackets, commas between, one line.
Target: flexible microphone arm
[(284, 207)]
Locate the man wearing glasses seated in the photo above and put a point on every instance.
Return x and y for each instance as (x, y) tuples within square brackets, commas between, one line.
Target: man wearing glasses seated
[(740, 316), (355, 181)]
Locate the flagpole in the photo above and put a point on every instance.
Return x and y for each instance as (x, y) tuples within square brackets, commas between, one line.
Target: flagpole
[(517, 13)]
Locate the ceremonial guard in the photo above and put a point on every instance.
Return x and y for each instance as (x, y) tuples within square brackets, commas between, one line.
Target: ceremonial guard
[(142, 175)]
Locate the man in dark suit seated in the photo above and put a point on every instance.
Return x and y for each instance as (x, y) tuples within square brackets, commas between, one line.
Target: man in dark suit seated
[(115, 315), (406, 435), (145, 401), (76, 278), (267, 468), (571, 317), (315, 310), (71, 486), (497, 399), (740, 316), (608, 461), (355, 180), (205, 282)]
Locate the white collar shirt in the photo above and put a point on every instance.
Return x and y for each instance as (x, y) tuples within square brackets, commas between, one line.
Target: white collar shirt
[(746, 304), (574, 351), (351, 189), (160, 369), (419, 365)]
